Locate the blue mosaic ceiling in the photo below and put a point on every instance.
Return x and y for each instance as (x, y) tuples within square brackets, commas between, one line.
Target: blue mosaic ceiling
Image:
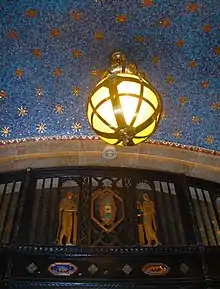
[(53, 53)]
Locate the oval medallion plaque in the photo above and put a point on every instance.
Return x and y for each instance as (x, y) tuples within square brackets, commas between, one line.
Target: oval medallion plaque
[(155, 269), (62, 269)]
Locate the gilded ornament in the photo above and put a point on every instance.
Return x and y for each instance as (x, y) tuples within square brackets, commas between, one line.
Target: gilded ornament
[(192, 63), (3, 94), (196, 119), (98, 35), (31, 13), (76, 15), (22, 111), (140, 38), (37, 52), (155, 59), (180, 43), (209, 139), (55, 32), (164, 23), (147, 3), (206, 28), (57, 72), (68, 219), (147, 229), (59, 108), (217, 49), (41, 127), (5, 131), (183, 100), (62, 269), (192, 7), (76, 53), (121, 18), (12, 34), (76, 126), (170, 79), (177, 134), (18, 72), (215, 106), (204, 84), (155, 269), (39, 91), (76, 90)]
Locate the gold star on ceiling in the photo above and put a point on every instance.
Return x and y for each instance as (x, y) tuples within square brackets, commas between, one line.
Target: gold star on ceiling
[(209, 139), (18, 72), (192, 7), (196, 119), (183, 100), (170, 79), (121, 18), (37, 52), (164, 23), (59, 108), (217, 49), (3, 94), (22, 111), (140, 38), (76, 15), (39, 91), (147, 3), (76, 90), (177, 134), (55, 32), (206, 28), (76, 53), (192, 64), (98, 35), (57, 72), (204, 84), (12, 34), (31, 13), (155, 59), (5, 131), (95, 72), (179, 43), (41, 127), (76, 126), (215, 106)]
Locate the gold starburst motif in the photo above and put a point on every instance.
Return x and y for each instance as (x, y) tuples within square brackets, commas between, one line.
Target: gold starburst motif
[(98, 35), (76, 15), (18, 72), (39, 91), (170, 79), (192, 64), (207, 28), (155, 59), (147, 3), (164, 23), (95, 72), (22, 111), (183, 100), (140, 38), (31, 13), (76, 53), (192, 7), (55, 32), (5, 131), (177, 134), (37, 52), (215, 106), (59, 108), (204, 84), (76, 126), (12, 34), (41, 127), (196, 119), (179, 43), (209, 139), (57, 72), (121, 18), (3, 94), (76, 90), (217, 49)]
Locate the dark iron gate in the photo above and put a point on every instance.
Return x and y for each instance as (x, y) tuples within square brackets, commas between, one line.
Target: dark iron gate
[(187, 223)]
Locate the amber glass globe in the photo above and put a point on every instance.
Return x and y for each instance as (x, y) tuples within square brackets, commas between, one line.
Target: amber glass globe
[(124, 109)]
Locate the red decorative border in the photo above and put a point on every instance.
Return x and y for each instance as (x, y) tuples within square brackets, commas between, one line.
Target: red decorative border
[(158, 142)]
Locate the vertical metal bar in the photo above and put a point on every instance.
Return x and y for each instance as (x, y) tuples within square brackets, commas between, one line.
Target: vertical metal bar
[(210, 218), (181, 187), (175, 215), (47, 231), (38, 228), (161, 206), (197, 218), (7, 212), (1, 205), (201, 214), (25, 222)]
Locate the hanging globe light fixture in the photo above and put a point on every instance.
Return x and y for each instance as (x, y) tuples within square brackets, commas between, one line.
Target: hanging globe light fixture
[(124, 108)]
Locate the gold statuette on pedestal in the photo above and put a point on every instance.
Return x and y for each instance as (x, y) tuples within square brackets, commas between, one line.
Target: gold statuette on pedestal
[(147, 226)]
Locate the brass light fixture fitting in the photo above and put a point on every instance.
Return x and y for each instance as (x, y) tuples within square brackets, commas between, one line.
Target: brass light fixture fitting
[(124, 108)]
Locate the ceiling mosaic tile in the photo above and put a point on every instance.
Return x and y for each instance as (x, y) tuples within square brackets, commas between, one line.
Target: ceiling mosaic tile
[(53, 53)]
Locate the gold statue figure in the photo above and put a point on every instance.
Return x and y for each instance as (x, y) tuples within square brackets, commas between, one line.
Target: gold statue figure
[(68, 220), (147, 228)]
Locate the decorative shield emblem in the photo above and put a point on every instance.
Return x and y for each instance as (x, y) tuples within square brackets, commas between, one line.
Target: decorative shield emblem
[(107, 209), (155, 269), (62, 269)]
